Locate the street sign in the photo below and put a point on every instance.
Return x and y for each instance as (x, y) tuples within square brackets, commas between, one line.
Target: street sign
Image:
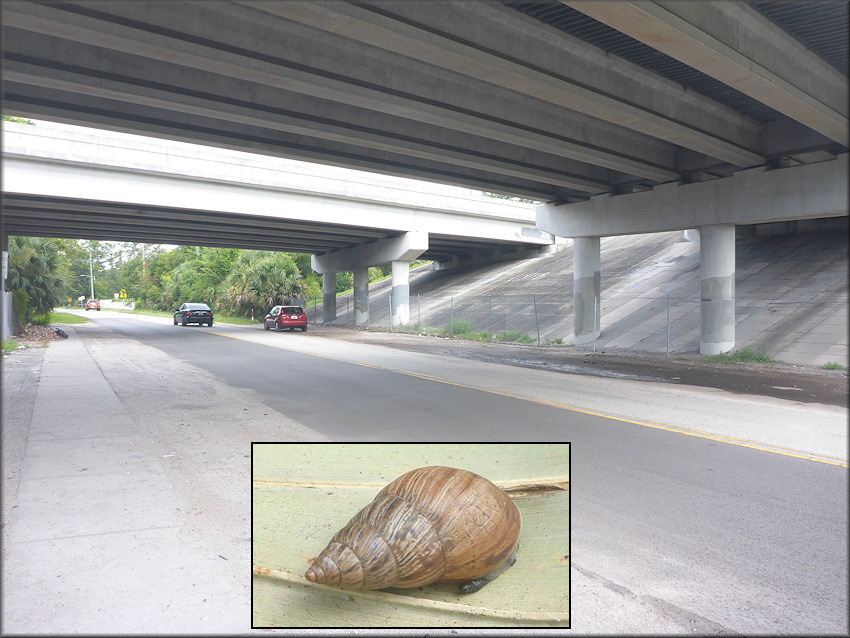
[(123, 294)]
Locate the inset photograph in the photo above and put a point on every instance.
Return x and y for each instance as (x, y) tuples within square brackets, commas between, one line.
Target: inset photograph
[(404, 535)]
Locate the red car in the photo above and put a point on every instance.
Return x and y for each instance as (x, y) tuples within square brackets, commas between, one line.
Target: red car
[(281, 317), (93, 304)]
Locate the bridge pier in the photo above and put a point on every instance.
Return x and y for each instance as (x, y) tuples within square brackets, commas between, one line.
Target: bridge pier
[(399, 251), (586, 277), (361, 297), (400, 293), (328, 297), (717, 288)]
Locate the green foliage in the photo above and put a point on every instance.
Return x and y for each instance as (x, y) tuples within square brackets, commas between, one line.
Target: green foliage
[(233, 282), (21, 306), (379, 273), (10, 345), (34, 268), (259, 281), (832, 365), (741, 356), (459, 326), (64, 317), (40, 319), (19, 120), (344, 281), (510, 198), (515, 335)]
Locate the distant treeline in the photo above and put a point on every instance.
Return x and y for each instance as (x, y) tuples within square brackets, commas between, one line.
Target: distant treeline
[(54, 271)]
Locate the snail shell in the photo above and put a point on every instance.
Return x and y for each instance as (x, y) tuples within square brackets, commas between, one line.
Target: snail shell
[(434, 523)]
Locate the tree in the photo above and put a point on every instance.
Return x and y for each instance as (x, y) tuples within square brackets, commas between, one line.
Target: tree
[(34, 268), (511, 198), (261, 280), (19, 120)]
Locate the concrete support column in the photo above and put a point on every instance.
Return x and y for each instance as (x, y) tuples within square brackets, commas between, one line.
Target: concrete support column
[(328, 297), (586, 268), (717, 288), (5, 297), (401, 293), (361, 297)]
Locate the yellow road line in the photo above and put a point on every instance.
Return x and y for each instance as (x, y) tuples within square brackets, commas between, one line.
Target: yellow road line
[(731, 440)]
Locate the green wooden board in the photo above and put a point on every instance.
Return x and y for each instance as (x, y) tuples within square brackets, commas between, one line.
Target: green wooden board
[(304, 493)]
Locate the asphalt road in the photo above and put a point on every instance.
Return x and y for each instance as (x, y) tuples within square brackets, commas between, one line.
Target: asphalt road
[(713, 536)]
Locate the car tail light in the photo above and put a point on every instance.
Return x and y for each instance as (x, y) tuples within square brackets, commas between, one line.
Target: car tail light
[(188, 313)]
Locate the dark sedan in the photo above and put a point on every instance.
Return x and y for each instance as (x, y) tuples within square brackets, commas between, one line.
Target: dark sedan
[(282, 317), (199, 313)]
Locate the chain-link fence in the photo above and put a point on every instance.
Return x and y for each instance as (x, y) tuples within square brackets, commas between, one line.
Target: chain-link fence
[(532, 318), (763, 330)]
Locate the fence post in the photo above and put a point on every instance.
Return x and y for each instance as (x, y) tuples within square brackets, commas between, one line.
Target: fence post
[(489, 316), (668, 324), (390, 306), (594, 323), (419, 309), (536, 320), (451, 316)]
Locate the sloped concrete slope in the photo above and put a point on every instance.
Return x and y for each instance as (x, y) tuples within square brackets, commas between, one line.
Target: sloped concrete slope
[(791, 296)]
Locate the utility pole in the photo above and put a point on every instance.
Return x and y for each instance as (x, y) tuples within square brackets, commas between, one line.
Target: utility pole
[(91, 274)]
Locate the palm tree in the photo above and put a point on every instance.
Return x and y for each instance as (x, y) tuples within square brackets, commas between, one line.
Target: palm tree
[(34, 268), (259, 281)]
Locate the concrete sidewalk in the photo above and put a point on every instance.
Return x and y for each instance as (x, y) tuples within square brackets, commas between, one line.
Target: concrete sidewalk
[(95, 534)]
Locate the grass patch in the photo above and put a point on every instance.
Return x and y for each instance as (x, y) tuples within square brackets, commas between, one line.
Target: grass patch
[(10, 345), (468, 335), (65, 317), (555, 342), (474, 336), (832, 365), (741, 356), (459, 327)]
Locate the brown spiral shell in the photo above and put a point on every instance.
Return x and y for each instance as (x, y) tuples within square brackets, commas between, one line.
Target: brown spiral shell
[(434, 523)]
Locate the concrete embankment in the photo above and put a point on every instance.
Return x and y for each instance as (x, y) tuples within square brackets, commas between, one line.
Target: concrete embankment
[(791, 296)]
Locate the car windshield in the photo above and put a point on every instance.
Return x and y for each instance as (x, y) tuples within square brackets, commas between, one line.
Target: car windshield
[(292, 310)]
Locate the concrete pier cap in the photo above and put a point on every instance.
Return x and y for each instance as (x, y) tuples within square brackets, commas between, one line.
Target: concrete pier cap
[(399, 251)]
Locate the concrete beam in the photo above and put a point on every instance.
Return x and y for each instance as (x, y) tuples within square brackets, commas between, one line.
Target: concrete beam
[(587, 84), (61, 80), (738, 46), (406, 247), (588, 140), (751, 196)]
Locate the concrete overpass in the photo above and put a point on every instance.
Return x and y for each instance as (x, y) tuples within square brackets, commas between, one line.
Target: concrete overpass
[(578, 104), (62, 181)]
